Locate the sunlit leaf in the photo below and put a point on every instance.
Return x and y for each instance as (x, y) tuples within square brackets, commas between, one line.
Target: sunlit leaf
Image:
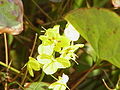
[(33, 64), (29, 68), (101, 28)]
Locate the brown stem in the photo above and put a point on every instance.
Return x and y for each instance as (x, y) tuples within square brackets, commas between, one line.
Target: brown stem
[(106, 85), (84, 77), (6, 59), (42, 10), (33, 47)]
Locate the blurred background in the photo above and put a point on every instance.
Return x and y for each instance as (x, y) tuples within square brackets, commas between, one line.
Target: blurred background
[(47, 13)]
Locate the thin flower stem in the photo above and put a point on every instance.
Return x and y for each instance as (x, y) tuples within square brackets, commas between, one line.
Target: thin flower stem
[(33, 47), (26, 72), (106, 85), (6, 60), (11, 68), (30, 24), (42, 76), (67, 87), (6, 48), (42, 10), (108, 78), (65, 6), (20, 85), (54, 77), (118, 80), (53, 21)]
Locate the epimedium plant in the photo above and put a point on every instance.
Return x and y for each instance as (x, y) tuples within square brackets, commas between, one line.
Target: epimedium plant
[(99, 27), (52, 43)]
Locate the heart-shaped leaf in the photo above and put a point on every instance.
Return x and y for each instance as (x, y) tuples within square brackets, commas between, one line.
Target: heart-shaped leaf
[(101, 28), (11, 16)]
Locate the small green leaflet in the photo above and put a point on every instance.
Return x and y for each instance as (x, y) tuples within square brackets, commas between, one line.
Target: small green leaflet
[(33, 64), (11, 16), (101, 28)]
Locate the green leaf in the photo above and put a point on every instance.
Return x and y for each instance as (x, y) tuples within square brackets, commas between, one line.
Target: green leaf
[(33, 64), (10, 39), (78, 3), (11, 16), (38, 86), (90, 51), (29, 68), (101, 28)]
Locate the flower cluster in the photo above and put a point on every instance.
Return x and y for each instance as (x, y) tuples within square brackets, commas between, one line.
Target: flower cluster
[(52, 43)]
